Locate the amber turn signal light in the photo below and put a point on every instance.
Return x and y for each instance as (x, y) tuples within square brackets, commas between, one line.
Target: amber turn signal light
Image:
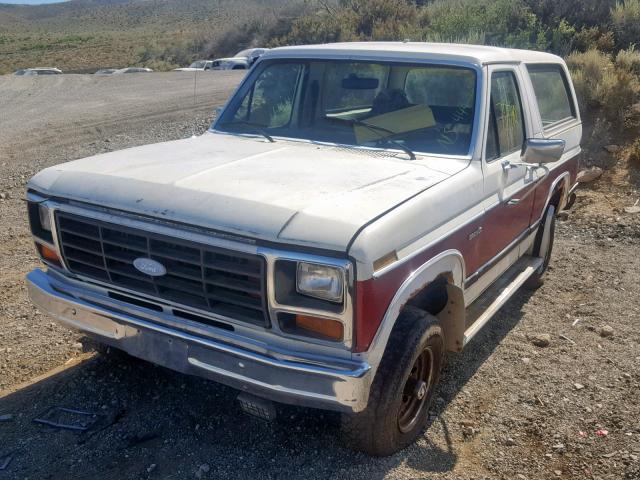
[(322, 327), (48, 254)]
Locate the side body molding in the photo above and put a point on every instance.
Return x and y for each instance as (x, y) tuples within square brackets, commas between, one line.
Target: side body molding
[(449, 263)]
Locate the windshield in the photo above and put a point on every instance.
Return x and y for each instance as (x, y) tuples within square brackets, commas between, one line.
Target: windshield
[(419, 107), (198, 64), (244, 53)]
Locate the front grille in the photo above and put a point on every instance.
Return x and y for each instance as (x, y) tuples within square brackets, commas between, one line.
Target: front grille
[(212, 279)]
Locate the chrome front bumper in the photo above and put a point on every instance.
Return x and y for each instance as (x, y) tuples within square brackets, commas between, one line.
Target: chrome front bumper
[(283, 376)]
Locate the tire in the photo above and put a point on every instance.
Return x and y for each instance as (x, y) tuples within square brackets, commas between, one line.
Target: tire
[(390, 422), (537, 279)]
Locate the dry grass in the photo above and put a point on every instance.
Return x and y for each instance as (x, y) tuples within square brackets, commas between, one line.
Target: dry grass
[(89, 35)]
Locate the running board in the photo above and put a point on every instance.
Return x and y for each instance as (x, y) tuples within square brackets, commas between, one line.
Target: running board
[(487, 304)]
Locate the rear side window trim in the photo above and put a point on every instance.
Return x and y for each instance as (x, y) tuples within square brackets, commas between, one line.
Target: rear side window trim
[(567, 88)]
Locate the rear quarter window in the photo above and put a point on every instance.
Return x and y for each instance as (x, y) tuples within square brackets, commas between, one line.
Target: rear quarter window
[(555, 102)]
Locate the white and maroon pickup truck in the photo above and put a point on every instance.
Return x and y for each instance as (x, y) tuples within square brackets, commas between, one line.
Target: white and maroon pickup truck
[(355, 211)]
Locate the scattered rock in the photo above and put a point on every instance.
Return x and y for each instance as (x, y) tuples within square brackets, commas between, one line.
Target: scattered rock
[(4, 196), (578, 386), (77, 346), (606, 331), (559, 448), (509, 442), (586, 176), (468, 432), (541, 340), (632, 209), (202, 469), (612, 148), (557, 472), (151, 468), (526, 360), (467, 423)]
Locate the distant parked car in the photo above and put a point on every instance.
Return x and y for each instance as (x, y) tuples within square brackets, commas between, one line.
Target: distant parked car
[(133, 70), (38, 71), (195, 66), (105, 71), (240, 61)]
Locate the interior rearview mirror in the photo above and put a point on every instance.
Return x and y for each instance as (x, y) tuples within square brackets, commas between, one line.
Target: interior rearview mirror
[(354, 82), (542, 150)]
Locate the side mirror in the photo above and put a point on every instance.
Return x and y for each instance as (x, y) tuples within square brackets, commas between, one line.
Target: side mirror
[(542, 150)]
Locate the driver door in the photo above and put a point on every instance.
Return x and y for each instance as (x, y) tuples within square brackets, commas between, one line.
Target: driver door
[(508, 200)]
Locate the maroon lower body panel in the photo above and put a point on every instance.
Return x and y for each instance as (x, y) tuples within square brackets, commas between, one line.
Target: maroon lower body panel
[(373, 296)]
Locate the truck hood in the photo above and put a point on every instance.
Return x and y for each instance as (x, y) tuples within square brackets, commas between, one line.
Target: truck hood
[(287, 192)]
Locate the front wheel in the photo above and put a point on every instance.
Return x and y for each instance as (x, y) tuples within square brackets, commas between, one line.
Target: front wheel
[(398, 408)]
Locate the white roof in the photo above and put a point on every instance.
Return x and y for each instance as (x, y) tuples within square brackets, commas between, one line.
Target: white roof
[(476, 54)]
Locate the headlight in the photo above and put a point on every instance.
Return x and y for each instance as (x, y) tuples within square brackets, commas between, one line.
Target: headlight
[(320, 281), (45, 218), (40, 221)]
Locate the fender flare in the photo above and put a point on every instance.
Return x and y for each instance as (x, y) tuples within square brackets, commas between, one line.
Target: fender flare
[(448, 262), (563, 177)]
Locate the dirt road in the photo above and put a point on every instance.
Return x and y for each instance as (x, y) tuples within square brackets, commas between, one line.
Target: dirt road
[(506, 408)]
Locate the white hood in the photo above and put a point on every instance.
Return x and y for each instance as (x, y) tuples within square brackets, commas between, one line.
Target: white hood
[(285, 191)]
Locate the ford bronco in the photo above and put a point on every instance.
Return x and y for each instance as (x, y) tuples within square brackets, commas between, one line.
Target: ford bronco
[(354, 212)]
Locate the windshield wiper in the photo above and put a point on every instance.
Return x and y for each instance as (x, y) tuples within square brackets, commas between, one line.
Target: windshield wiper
[(258, 128), (376, 128)]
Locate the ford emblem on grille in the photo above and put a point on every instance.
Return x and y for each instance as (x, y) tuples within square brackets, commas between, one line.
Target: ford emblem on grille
[(149, 266)]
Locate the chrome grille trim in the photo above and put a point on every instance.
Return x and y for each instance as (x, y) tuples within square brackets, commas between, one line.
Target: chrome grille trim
[(212, 279)]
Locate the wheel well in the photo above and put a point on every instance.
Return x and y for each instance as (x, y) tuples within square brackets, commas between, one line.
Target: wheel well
[(445, 301), (556, 197), (433, 297)]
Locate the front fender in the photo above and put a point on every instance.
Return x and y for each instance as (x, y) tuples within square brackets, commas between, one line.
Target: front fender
[(449, 263)]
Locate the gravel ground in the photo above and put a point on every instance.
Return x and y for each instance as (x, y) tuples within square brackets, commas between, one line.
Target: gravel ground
[(530, 398)]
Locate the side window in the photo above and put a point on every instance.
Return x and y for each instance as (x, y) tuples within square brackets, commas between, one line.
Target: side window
[(270, 102), (550, 85), (506, 122)]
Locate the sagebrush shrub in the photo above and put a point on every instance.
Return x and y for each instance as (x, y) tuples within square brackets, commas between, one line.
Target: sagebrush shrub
[(601, 85), (629, 60), (625, 17)]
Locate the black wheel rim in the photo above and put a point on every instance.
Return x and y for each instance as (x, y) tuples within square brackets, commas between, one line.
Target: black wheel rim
[(417, 391)]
